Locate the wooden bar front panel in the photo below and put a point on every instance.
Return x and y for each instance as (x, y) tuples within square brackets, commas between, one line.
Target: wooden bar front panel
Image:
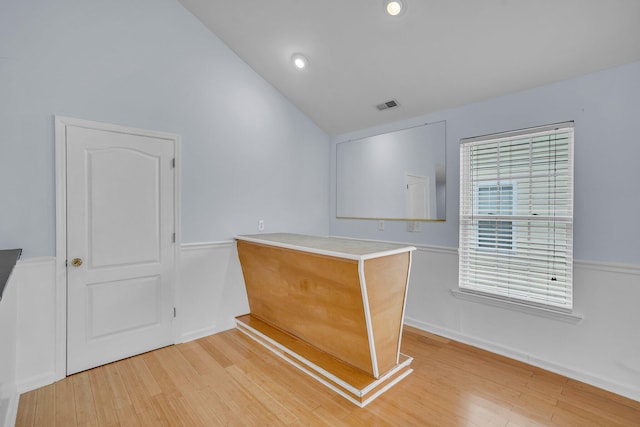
[(313, 297), (386, 280)]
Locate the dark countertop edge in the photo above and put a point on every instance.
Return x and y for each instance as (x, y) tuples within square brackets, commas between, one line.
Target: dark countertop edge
[(8, 260)]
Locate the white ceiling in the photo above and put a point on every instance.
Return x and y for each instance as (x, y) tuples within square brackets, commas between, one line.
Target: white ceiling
[(438, 54)]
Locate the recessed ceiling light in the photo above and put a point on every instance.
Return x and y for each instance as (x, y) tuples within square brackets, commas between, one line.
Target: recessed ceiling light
[(300, 61), (394, 8)]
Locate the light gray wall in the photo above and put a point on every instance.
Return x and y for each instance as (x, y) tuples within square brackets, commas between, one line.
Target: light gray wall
[(248, 153), (605, 107)]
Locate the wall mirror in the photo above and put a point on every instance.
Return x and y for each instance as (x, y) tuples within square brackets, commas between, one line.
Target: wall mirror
[(397, 175)]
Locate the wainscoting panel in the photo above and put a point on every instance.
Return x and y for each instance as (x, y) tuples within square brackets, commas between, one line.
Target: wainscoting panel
[(211, 289), (36, 323), (600, 349), (8, 389)]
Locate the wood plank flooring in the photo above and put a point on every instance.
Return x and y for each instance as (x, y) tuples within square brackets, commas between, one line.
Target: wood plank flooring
[(227, 379)]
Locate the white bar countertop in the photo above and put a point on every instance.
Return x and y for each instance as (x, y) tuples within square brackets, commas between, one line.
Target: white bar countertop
[(331, 246)]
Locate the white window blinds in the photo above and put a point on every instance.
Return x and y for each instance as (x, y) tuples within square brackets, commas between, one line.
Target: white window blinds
[(516, 215)]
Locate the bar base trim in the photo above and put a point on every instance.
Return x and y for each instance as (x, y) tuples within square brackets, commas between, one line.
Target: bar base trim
[(351, 383)]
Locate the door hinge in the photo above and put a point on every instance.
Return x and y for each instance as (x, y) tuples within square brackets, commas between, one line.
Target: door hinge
[(173, 163), (173, 238), (174, 312)]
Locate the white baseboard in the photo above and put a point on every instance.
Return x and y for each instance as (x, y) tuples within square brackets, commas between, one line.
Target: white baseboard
[(227, 325), (210, 330), (27, 384), (199, 333), (623, 390), (9, 410)]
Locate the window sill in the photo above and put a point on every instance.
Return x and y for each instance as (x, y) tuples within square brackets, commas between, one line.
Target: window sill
[(513, 305)]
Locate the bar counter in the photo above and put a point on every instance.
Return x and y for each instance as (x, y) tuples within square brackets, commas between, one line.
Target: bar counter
[(333, 307)]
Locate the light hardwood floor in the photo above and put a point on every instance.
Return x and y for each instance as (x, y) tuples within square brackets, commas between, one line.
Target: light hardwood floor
[(227, 379)]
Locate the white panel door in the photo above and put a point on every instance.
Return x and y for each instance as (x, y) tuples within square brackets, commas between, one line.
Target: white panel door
[(120, 225)]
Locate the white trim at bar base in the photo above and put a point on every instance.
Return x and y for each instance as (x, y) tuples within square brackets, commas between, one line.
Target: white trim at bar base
[(329, 380)]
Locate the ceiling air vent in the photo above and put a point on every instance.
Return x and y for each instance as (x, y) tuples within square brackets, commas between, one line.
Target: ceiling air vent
[(386, 105)]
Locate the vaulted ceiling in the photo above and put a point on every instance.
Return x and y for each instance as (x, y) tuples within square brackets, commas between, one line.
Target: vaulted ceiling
[(436, 55)]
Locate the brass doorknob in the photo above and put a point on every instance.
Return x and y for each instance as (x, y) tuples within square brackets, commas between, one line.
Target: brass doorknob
[(77, 262)]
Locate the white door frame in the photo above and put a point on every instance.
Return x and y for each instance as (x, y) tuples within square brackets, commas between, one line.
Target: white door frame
[(61, 225)]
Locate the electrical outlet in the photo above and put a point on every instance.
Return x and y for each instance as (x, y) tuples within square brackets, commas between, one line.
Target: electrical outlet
[(261, 225), (414, 226), (381, 225)]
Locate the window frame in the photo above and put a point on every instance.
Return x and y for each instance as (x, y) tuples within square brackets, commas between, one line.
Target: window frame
[(533, 294)]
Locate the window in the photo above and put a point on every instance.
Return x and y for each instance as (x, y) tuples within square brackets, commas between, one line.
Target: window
[(516, 216), (494, 199)]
